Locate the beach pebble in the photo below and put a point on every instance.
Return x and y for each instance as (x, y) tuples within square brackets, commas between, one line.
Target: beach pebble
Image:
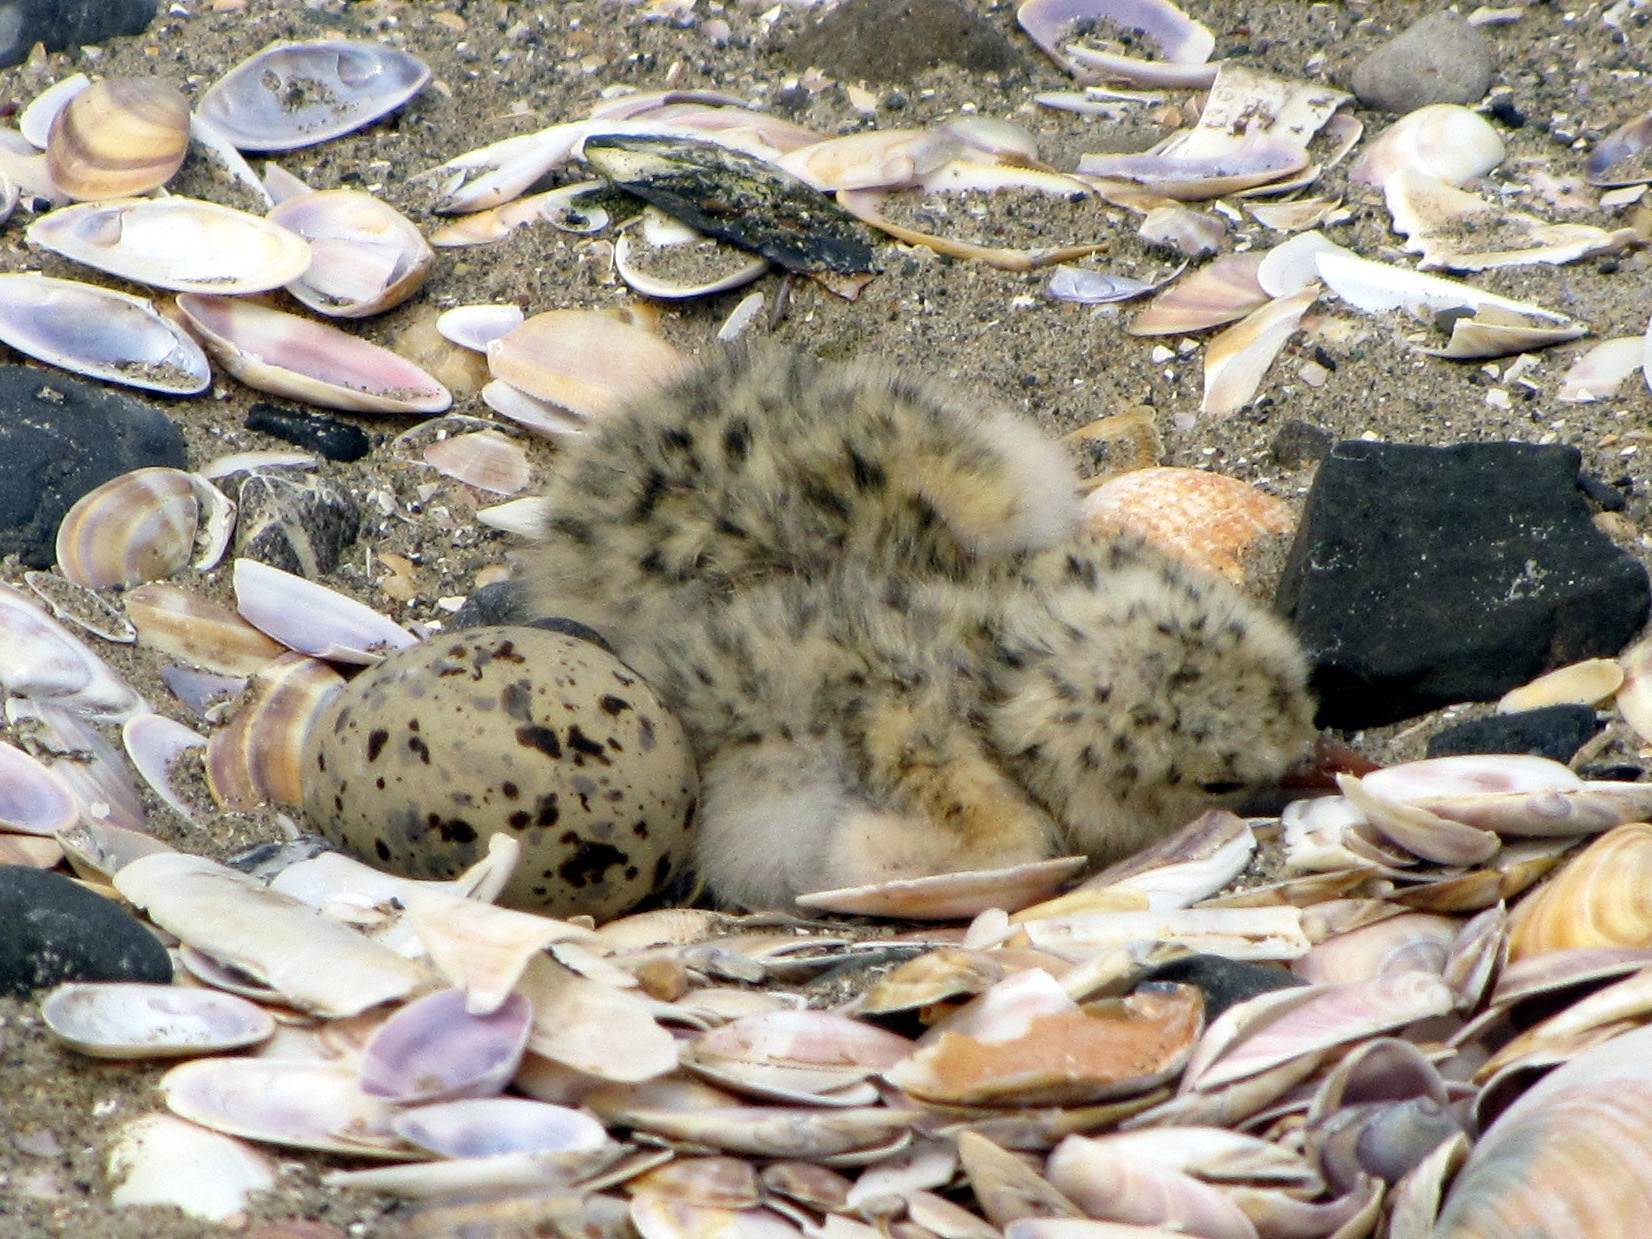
[(517, 730), (52, 930), (1422, 576), (59, 438), (1555, 732), (1439, 59), (23, 23), (326, 436), (296, 522), (1224, 982)]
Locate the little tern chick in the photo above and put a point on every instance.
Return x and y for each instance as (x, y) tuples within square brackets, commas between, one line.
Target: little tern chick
[(894, 649)]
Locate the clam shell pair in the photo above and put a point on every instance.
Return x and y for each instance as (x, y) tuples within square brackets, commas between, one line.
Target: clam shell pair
[(143, 526)]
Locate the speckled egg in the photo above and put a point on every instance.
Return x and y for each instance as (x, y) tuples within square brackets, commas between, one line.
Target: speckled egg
[(549, 738)]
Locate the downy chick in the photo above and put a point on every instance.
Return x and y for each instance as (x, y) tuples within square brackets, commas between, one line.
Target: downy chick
[(893, 649)]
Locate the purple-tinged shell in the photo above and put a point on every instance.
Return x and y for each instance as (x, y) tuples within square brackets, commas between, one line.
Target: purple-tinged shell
[(485, 1126), (434, 1049)]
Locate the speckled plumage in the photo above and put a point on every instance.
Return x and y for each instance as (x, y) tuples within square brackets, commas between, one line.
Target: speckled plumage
[(892, 648)]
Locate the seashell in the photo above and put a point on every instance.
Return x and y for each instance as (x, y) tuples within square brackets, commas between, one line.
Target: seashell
[(1626, 141), (1598, 373), (1237, 360), (460, 370), (82, 607), (1193, 178), (1190, 233), (841, 1136), (1411, 942), (1219, 292), (668, 247), (947, 896), (257, 460), (34, 122), (435, 1050), (92, 768), (1568, 1157), (476, 326), (794, 1055), (1183, 868), (575, 208), (313, 619), (31, 851), (43, 661), (583, 360), (593, 1028), (1005, 1187), (534, 414), (118, 137), (299, 1104), (292, 95), (1634, 700), (161, 1160), (1110, 1185), (1293, 265), (662, 1217), (155, 744), (178, 243), (1446, 141), (484, 459), (487, 1126), (315, 963), (1183, 44), (1102, 1050), (1584, 683), (126, 1019), (33, 799), (1418, 830), (525, 517), (1267, 933), (286, 355), (1085, 286), (715, 1182), (1297, 214), (1597, 900), (212, 142), (877, 159), (1376, 287), (99, 332), (365, 256), (1216, 523), (141, 526), (1459, 231), (256, 760), (183, 625)]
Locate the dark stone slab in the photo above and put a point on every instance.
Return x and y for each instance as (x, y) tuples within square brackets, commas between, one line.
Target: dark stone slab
[(326, 436), (296, 522), (67, 23), (1555, 732), (52, 930), (1422, 576), (59, 438), (1224, 982), (895, 40)]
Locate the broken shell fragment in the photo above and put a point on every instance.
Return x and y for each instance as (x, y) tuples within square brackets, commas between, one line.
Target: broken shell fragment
[(99, 332), (1446, 141), (575, 208), (366, 256), (477, 326), (1111, 1185), (1626, 141), (286, 355), (583, 360), (1219, 292), (1237, 360), (946, 896), (1599, 899), (1599, 372), (140, 526), (665, 259), (298, 94), (177, 243), (161, 1160), (127, 1019), (34, 122), (1196, 177), (1217, 523), (155, 743), (878, 159), (118, 137)]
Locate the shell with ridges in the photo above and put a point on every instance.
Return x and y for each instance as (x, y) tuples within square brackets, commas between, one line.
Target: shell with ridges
[(1602, 898), (118, 137), (137, 527)]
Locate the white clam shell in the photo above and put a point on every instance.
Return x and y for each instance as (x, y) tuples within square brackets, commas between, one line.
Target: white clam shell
[(155, 743), (366, 256), (91, 767), (125, 1019), (584, 360), (33, 800), (41, 659), (35, 121), (659, 233), (541, 416), (340, 86), (286, 355), (178, 243), (313, 619), (477, 326), (484, 1126), (162, 1160), (99, 332), (484, 459), (84, 608), (1444, 140)]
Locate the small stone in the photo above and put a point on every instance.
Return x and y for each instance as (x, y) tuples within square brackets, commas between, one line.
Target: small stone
[(1299, 443), (61, 24), (1224, 982), (300, 524), (52, 930), (59, 438), (326, 436), (1439, 59), (895, 40), (1555, 732), (1423, 576)]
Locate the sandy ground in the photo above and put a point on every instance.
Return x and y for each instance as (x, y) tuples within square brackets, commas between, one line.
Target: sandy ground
[(504, 69)]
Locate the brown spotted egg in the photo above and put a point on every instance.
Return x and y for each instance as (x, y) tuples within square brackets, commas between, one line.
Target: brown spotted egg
[(543, 736)]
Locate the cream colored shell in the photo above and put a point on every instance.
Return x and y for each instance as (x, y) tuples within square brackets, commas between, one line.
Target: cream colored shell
[(547, 738)]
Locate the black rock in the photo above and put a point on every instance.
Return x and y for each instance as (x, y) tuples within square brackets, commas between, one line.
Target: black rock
[(895, 40), (1224, 982), (52, 930), (324, 435), (1422, 576), (499, 603), (300, 524), (1555, 732), (67, 23), (59, 438)]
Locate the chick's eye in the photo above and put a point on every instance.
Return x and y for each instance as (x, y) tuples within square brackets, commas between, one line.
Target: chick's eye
[(1222, 787)]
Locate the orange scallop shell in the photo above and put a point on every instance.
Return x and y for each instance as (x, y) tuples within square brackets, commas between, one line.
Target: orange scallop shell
[(1602, 898)]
